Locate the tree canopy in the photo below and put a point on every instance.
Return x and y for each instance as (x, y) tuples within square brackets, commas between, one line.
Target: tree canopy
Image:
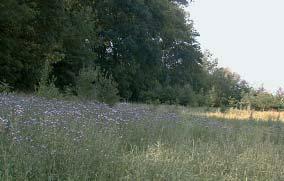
[(148, 47)]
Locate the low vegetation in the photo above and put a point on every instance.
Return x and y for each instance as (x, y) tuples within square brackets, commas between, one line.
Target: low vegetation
[(64, 140)]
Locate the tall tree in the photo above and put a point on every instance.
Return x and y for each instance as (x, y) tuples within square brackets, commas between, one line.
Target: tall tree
[(18, 44), (144, 43)]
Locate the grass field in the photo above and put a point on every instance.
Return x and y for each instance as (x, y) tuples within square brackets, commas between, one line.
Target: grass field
[(64, 140)]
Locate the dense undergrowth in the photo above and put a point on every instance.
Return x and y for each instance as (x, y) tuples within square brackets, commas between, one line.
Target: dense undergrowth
[(69, 141)]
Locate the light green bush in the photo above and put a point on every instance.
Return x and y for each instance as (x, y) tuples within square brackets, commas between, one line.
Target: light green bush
[(5, 87), (46, 87), (107, 91), (92, 84), (49, 91), (85, 84)]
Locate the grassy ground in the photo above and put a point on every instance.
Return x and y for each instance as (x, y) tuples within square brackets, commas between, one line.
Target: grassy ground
[(192, 147)]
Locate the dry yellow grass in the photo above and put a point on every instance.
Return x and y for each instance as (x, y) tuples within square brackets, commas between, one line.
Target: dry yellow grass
[(231, 114), (234, 114)]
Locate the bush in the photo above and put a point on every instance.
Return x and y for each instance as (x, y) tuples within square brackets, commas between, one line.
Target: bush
[(92, 84), (46, 87), (202, 99), (168, 95), (4, 87), (187, 96), (107, 91), (85, 87), (49, 91), (69, 92)]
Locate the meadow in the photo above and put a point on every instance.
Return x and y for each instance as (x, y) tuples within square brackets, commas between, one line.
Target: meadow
[(71, 140)]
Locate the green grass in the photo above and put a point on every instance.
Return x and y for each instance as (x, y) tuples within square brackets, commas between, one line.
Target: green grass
[(192, 149)]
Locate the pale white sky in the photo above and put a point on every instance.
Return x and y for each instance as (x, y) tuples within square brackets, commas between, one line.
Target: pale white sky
[(245, 35)]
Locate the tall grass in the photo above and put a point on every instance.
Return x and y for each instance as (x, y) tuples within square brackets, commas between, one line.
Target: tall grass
[(194, 148)]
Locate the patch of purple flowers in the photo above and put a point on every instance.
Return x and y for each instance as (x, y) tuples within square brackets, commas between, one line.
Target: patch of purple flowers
[(18, 113)]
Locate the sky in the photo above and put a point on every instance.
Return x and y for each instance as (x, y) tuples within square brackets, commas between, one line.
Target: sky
[(246, 36)]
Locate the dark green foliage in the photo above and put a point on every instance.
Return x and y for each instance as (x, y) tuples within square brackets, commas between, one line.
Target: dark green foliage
[(34, 31), (144, 42), (19, 58), (187, 96)]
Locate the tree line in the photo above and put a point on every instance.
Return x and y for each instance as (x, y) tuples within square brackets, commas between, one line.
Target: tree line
[(142, 50)]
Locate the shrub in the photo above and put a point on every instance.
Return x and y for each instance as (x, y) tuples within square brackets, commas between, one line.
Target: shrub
[(202, 98), (5, 87), (92, 84), (85, 87), (49, 91), (213, 100), (69, 92), (107, 91), (187, 96), (261, 101), (46, 87), (168, 95)]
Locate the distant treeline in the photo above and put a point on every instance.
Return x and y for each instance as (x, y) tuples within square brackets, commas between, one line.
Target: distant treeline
[(148, 49)]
